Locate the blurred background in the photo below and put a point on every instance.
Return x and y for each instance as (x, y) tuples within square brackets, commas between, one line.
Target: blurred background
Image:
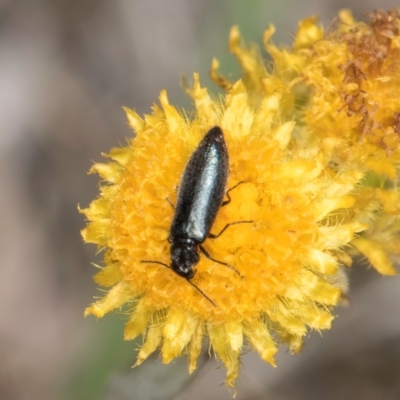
[(66, 69)]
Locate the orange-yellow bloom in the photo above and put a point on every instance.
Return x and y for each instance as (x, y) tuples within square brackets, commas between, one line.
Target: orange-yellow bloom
[(287, 258), (309, 169), (341, 87)]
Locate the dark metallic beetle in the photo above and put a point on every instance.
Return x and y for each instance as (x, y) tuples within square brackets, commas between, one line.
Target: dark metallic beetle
[(200, 195)]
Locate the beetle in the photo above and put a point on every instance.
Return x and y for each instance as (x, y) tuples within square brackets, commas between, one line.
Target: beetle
[(200, 195)]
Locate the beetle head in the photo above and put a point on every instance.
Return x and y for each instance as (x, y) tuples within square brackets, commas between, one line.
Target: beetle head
[(183, 260)]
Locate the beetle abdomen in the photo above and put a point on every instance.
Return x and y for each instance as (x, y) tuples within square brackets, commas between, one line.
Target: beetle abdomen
[(201, 189)]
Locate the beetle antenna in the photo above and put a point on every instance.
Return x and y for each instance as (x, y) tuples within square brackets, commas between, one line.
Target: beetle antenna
[(154, 262), (200, 291), (196, 287)]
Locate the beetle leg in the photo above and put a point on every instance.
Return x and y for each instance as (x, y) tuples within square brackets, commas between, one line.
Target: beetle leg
[(224, 203), (170, 203), (205, 252), (212, 236)]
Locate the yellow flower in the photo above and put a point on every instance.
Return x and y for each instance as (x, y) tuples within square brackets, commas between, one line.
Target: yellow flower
[(342, 89), (288, 257)]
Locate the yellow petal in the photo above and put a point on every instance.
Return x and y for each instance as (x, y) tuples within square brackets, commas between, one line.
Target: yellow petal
[(390, 200), (138, 321), (223, 350), (312, 315), (237, 104), (308, 33), (343, 183), (344, 258), (324, 263), (279, 312), (266, 115), (175, 121), (195, 346), (382, 165), (234, 335), (248, 57), (283, 134), (134, 121), (261, 339), (153, 340), (327, 205), (346, 17), (98, 209), (109, 172), (116, 297), (305, 170), (218, 79), (318, 289), (393, 247), (109, 275), (376, 255), (295, 343), (268, 33), (121, 155), (178, 330), (206, 112), (97, 232), (336, 236)]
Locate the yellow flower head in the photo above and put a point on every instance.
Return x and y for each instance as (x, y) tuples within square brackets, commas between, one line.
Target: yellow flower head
[(342, 90), (287, 258)]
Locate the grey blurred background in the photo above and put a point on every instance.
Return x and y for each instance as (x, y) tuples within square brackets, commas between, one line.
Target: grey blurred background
[(66, 68)]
